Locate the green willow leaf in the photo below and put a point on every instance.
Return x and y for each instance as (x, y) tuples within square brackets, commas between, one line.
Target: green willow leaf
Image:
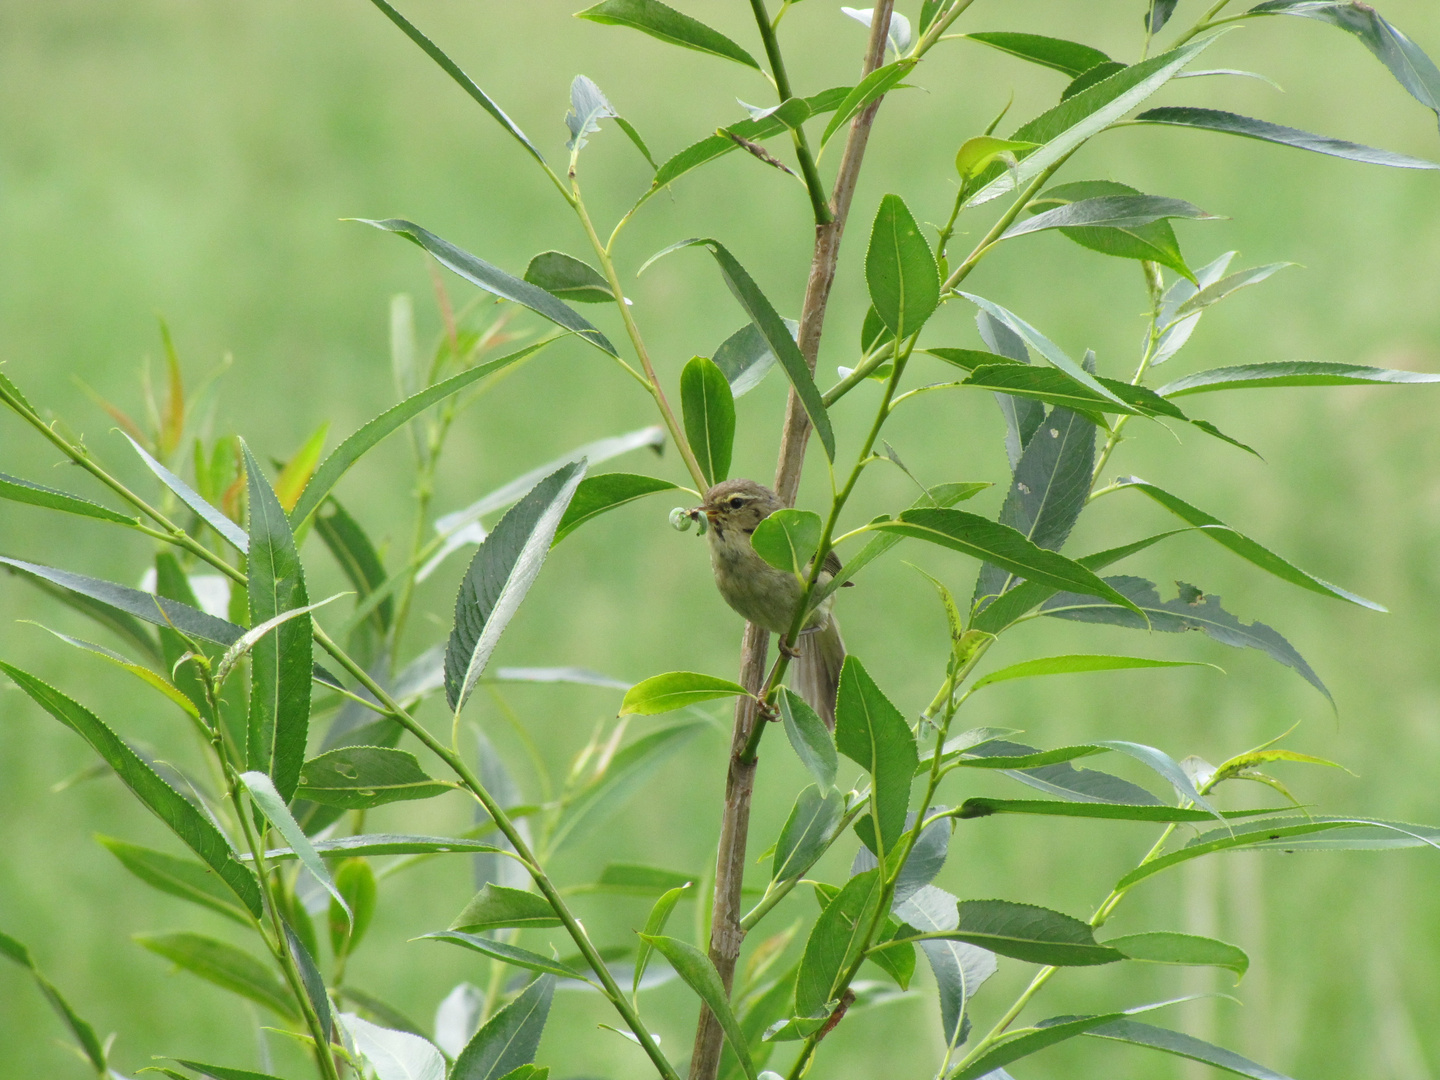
[(788, 539), (394, 1054), (361, 777), (80, 1029), (602, 493), (872, 732), (510, 1038), (1186, 1046), (225, 966), (497, 907), (676, 690), (496, 281), (188, 880), (391, 420), (1160, 12), (746, 359), (1190, 610), (192, 498), (219, 1072), (508, 954), (500, 574), (1065, 665), (1167, 947), (1006, 547), (23, 491), (1099, 73), (807, 833), (668, 25), (352, 548), (626, 771), (838, 938), (356, 882), (708, 408), (772, 328), (1289, 373), (142, 605), (1043, 345), (144, 674), (280, 662), (1412, 69), (1071, 123), (1060, 779), (809, 737), (1215, 291), (568, 278), (267, 799), (588, 106), (1152, 241), (387, 844), (188, 823), (464, 81), (654, 925), (959, 967), (1108, 211), (1068, 57), (1048, 1033), (311, 980), (1229, 123), (983, 807), (700, 975), (900, 269), (1033, 934), (1212, 527), (867, 91)]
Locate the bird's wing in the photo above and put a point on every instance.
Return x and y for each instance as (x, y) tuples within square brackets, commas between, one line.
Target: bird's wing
[(832, 566)]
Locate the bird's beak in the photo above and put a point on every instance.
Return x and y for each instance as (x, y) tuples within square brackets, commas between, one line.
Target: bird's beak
[(707, 511)]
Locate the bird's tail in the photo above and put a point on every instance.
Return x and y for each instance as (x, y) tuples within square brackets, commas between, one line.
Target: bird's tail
[(817, 669)]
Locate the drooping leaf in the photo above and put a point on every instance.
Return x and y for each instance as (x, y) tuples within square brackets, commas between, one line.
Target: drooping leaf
[(188, 880), (496, 281), (1412, 69), (654, 924), (1064, 781), (867, 91), (1043, 345), (809, 737), (1072, 122), (1048, 491), (675, 690), (1247, 127), (668, 25), (626, 771), (1022, 415), (80, 1029), (23, 491), (588, 106), (900, 270), (188, 823), (1068, 57), (509, 954), (1065, 665), (361, 777), (225, 966), (836, 941), (983, 807), (1168, 947), (495, 907), (368, 436), (144, 674), (708, 407), (700, 975), (394, 1055), (510, 1038), (1190, 610), (1153, 241), (464, 81), (500, 574), (772, 328), (142, 605), (263, 794), (939, 495), (568, 278), (1047, 1033), (1186, 1046), (1212, 527), (870, 731), (1289, 373), (990, 541), (807, 833), (959, 967), (279, 662), (788, 540), (1218, 290)]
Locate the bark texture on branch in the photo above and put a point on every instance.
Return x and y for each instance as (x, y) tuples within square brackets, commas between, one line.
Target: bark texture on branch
[(726, 936)]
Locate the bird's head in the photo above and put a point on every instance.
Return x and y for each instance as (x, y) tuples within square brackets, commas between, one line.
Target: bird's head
[(739, 505)]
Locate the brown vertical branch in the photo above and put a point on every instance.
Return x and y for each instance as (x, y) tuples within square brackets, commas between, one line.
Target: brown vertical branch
[(725, 932)]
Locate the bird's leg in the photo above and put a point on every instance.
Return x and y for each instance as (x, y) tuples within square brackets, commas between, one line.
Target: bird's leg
[(790, 652)]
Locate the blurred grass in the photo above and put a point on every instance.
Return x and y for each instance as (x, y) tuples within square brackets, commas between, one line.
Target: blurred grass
[(195, 159)]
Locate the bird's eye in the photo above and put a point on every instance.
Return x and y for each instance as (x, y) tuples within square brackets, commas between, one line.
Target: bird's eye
[(736, 503)]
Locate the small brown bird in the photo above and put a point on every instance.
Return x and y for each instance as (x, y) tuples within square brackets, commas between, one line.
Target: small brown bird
[(768, 596)]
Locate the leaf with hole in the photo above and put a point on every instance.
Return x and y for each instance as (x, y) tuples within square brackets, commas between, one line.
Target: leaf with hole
[(361, 777)]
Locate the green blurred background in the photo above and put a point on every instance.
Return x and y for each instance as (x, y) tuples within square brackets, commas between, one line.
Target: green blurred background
[(193, 159)]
